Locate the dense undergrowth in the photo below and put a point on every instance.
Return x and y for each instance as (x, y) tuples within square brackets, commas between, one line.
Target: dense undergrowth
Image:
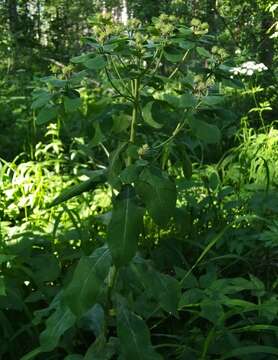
[(141, 221)]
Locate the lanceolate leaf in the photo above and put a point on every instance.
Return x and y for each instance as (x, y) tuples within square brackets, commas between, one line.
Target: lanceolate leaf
[(134, 336), (158, 193), (78, 189), (56, 325), (88, 281), (125, 226), (246, 350)]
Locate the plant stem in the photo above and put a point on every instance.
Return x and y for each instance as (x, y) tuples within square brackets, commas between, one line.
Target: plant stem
[(135, 93)]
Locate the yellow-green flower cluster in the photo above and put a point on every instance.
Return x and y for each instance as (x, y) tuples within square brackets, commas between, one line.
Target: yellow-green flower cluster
[(198, 27)]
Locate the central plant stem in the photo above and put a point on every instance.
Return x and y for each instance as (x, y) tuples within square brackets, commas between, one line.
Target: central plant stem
[(135, 93)]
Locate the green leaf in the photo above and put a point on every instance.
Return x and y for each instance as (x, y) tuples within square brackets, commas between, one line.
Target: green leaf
[(115, 165), (79, 189), (173, 57), (191, 297), (158, 193), (163, 288), (125, 226), (101, 350), (56, 325), (74, 357), (41, 100), (247, 350), (134, 336), (87, 283), (212, 311), (47, 114), (2, 287), (32, 354), (203, 52), (71, 105), (94, 320), (204, 131), (80, 59), (187, 100), (97, 63), (148, 118), (212, 101), (130, 174)]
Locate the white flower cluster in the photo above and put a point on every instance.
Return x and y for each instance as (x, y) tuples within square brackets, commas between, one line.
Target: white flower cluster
[(248, 68)]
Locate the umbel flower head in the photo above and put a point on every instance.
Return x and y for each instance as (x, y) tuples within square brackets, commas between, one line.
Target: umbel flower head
[(248, 68)]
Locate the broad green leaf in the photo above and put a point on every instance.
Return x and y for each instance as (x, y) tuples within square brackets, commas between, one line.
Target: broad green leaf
[(74, 357), (187, 100), (163, 288), (56, 325), (41, 100), (212, 100), (101, 350), (58, 83), (148, 118), (47, 114), (71, 105), (125, 226), (204, 131), (87, 283), (203, 52), (97, 63), (80, 59), (158, 193), (79, 189), (212, 310), (191, 297), (247, 350), (130, 174), (94, 320), (134, 336), (173, 57)]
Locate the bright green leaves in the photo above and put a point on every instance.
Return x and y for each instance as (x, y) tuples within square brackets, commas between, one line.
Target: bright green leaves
[(87, 283), (125, 226), (134, 336), (158, 193), (206, 132)]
